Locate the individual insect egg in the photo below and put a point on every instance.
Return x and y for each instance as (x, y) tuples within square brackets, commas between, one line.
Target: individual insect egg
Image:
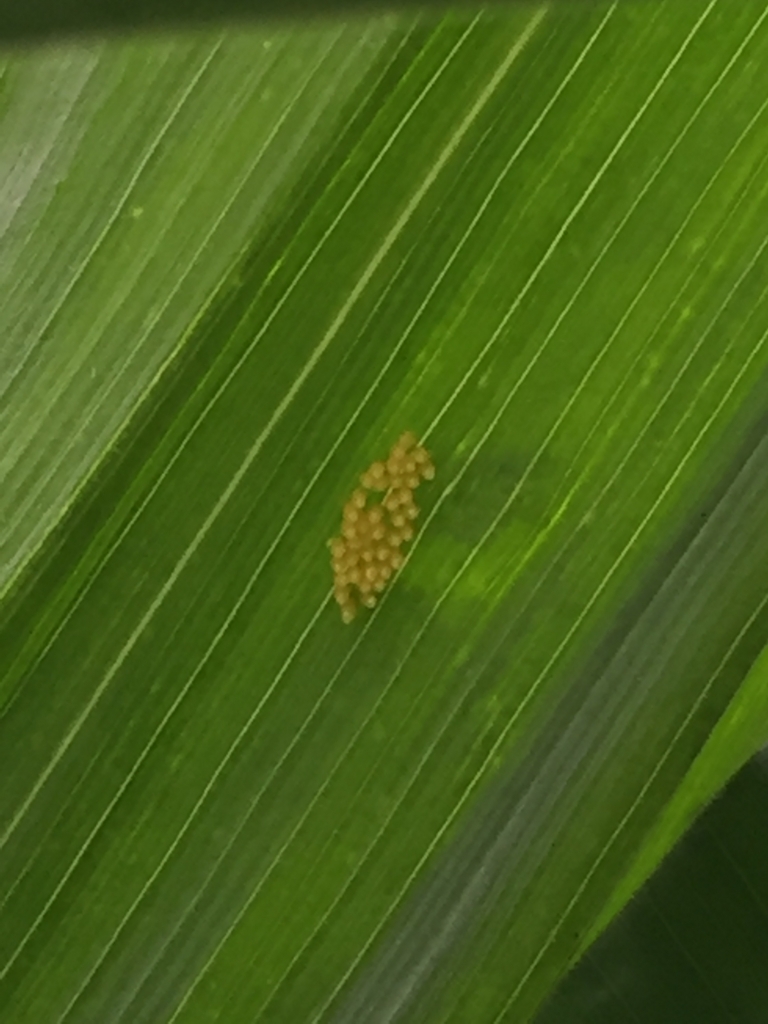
[(349, 530), (347, 613), (394, 466), (428, 471), (406, 532), (358, 499), (338, 547), (398, 520), (364, 542), (411, 511), (378, 472), (396, 559), (354, 576), (350, 514), (393, 538), (369, 600), (406, 440), (375, 515), (365, 586), (372, 573), (378, 533), (391, 501), (382, 553), (379, 585), (413, 480), (368, 555)]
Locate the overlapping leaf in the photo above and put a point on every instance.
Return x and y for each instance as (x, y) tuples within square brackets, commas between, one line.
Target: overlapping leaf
[(693, 943)]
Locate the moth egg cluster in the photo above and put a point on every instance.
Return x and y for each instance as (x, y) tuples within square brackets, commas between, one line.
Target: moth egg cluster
[(368, 552)]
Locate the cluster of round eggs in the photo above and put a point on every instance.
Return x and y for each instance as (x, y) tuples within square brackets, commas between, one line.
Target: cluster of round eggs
[(368, 551)]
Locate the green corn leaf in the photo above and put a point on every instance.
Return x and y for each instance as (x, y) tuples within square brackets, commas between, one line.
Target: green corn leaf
[(237, 267)]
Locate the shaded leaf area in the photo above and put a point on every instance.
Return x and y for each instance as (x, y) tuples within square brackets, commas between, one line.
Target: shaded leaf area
[(133, 174), (740, 730), (45, 19), (537, 241), (693, 944)]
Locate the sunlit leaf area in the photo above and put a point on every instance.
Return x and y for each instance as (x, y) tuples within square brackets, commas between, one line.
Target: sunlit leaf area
[(481, 299)]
